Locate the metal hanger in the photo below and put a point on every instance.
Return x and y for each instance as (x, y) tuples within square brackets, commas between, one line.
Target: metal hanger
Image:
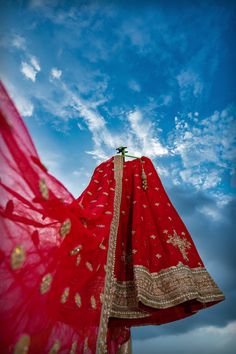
[(121, 149)]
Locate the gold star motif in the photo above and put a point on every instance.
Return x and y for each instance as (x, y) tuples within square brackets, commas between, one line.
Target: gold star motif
[(181, 243)]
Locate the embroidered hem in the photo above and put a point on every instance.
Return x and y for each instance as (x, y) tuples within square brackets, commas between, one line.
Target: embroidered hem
[(160, 290)]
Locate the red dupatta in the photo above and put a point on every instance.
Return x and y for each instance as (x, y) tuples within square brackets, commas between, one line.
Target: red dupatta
[(53, 250)]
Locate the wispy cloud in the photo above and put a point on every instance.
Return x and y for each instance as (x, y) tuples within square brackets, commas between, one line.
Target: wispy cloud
[(30, 70)]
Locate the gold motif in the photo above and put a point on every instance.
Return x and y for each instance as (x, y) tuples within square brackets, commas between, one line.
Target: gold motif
[(101, 297), (22, 345), (153, 236), (158, 255), (157, 204), (78, 259), (65, 227), (65, 295), (86, 345), (43, 188), (45, 283), (75, 250), (73, 347), (78, 299), (93, 302), (182, 243), (100, 225), (89, 266), (90, 193), (17, 257), (108, 212), (105, 193), (55, 347)]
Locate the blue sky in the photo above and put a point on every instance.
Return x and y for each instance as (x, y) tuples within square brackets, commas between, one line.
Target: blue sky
[(89, 76)]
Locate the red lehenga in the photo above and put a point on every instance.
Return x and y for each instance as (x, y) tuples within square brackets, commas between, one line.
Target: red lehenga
[(77, 273)]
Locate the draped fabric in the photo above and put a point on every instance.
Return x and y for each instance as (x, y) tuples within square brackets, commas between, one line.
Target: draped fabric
[(77, 273)]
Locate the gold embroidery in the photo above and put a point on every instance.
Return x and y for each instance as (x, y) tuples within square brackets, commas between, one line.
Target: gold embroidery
[(165, 231), (56, 346), (101, 297), (96, 181), (108, 212), (144, 179), (158, 255), (163, 289), (86, 345), (102, 246), (75, 250), (182, 243), (78, 259), (89, 266), (100, 205), (45, 283), (153, 236), (43, 188), (65, 295), (22, 345), (157, 204), (109, 287), (65, 227), (78, 299), (17, 257), (105, 193), (100, 225), (73, 349), (93, 302), (90, 193)]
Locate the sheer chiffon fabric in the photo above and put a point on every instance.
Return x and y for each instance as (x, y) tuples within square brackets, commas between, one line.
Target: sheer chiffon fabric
[(77, 273)]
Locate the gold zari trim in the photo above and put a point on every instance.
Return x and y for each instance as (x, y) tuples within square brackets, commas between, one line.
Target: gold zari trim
[(163, 289), (109, 286)]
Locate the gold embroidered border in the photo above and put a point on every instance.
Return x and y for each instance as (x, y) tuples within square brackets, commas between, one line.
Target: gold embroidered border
[(109, 286), (163, 289)]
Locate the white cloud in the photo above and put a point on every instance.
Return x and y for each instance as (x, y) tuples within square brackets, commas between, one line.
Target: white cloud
[(207, 147), (134, 85), (189, 83), (144, 135), (35, 63), (56, 73), (28, 71), (18, 42), (204, 340)]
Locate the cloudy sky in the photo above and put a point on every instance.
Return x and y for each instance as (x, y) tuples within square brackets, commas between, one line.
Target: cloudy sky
[(89, 76)]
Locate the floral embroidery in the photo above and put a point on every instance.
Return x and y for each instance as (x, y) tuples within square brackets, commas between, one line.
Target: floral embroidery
[(78, 259), (89, 266), (93, 302), (65, 295), (78, 299), (43, 188), (65, 227), (45, 283), (55, 347), (75, 250), (182, 243), (17, 257), (22, 345), (73, 347)]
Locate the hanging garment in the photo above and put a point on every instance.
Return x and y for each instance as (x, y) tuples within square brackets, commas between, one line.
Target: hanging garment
[(77, 273)]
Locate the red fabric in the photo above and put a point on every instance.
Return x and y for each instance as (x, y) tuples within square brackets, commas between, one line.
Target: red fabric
[(34, 206)]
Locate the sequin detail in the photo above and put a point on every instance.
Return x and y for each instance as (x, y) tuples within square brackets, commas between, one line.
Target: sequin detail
[(17, 257)]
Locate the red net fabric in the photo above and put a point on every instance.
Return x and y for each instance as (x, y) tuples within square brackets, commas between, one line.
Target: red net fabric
[(77, 273)]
